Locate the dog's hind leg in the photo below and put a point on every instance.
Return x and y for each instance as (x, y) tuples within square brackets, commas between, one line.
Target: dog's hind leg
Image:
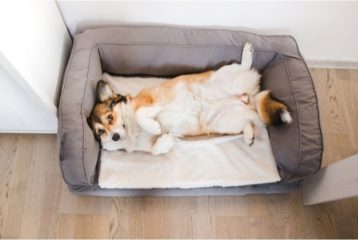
[(237, 79), (236, 120), (247, 56), (249, 134)]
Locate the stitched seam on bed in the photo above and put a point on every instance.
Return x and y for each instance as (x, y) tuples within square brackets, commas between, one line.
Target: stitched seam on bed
[(270, 63), (152, 43), (73, 53), (241, 46), (60, 104), (179, 45), (187, 28), (86, 84), (82, 113), (315, 93), (200, 29), (319, 120), (289, 76), (298, 117), (184, 46), (189, 46)]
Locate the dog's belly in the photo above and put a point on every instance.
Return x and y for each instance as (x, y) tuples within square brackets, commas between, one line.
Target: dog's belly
[(181, 116), (227, 116), (199, 109)]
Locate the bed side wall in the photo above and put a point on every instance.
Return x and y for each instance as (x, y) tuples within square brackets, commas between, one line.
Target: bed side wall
[(297, 147), (78, 149), (172, 51)]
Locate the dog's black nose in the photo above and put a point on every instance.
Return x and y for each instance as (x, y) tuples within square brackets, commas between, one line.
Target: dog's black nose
[(116, 137)]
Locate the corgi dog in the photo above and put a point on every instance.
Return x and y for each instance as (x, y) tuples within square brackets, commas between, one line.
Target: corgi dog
[(227, 101)]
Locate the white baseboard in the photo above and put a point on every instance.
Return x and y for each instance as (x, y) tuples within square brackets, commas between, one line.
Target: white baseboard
[(332, 64)]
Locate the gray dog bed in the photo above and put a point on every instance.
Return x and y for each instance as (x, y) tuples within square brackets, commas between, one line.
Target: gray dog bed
[(168, 51)]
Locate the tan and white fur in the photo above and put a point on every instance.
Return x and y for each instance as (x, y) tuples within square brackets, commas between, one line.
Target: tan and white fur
[(222, 102)]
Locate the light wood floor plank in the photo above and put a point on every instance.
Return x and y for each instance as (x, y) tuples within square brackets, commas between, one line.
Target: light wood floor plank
[(76, 204), (8, 147), (82, 226), (348, 93), (38, 209), (337, 92), (18, 193)]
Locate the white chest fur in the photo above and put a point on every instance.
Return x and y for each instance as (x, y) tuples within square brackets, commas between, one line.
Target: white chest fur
[(182, 115)]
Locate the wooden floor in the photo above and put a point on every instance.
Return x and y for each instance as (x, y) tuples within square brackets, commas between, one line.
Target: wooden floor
[(35, 203)]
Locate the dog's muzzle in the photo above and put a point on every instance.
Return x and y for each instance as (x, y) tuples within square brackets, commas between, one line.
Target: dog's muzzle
[(116, 137)]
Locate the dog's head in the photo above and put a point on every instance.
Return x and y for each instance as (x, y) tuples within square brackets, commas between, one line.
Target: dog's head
[(106, 119)]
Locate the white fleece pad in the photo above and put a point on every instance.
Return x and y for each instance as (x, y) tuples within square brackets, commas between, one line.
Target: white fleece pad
[(229, 163)]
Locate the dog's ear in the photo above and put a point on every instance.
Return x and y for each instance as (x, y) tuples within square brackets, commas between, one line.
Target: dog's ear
[(104, 91), (120, 98)]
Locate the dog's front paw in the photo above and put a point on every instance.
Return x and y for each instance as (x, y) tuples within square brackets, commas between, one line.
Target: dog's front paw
[(163, 144), (153, 127), (150, 126), (147, 123)]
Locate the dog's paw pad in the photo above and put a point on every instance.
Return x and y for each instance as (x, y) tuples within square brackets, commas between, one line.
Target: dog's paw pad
[(252, 141), (248, 48)]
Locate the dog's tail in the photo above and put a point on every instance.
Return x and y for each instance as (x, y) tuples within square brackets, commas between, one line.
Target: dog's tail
[(271, 111)]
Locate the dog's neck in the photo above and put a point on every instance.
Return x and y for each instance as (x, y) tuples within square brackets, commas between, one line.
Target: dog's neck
[(129, 119)]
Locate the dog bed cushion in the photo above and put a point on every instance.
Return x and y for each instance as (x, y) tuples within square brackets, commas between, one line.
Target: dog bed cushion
[(219, 161), (170, 51)]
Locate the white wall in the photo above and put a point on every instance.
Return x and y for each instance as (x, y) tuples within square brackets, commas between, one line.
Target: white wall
[(327, 32), (22, 111), (34, 46), (35, 42)]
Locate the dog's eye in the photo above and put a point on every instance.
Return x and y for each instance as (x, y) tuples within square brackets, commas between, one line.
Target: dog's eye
[(100, 132), (110, 118), (124, 126)]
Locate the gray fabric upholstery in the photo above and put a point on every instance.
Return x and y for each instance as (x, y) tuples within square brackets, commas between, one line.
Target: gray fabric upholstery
[(175, 192), (168, 51)]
